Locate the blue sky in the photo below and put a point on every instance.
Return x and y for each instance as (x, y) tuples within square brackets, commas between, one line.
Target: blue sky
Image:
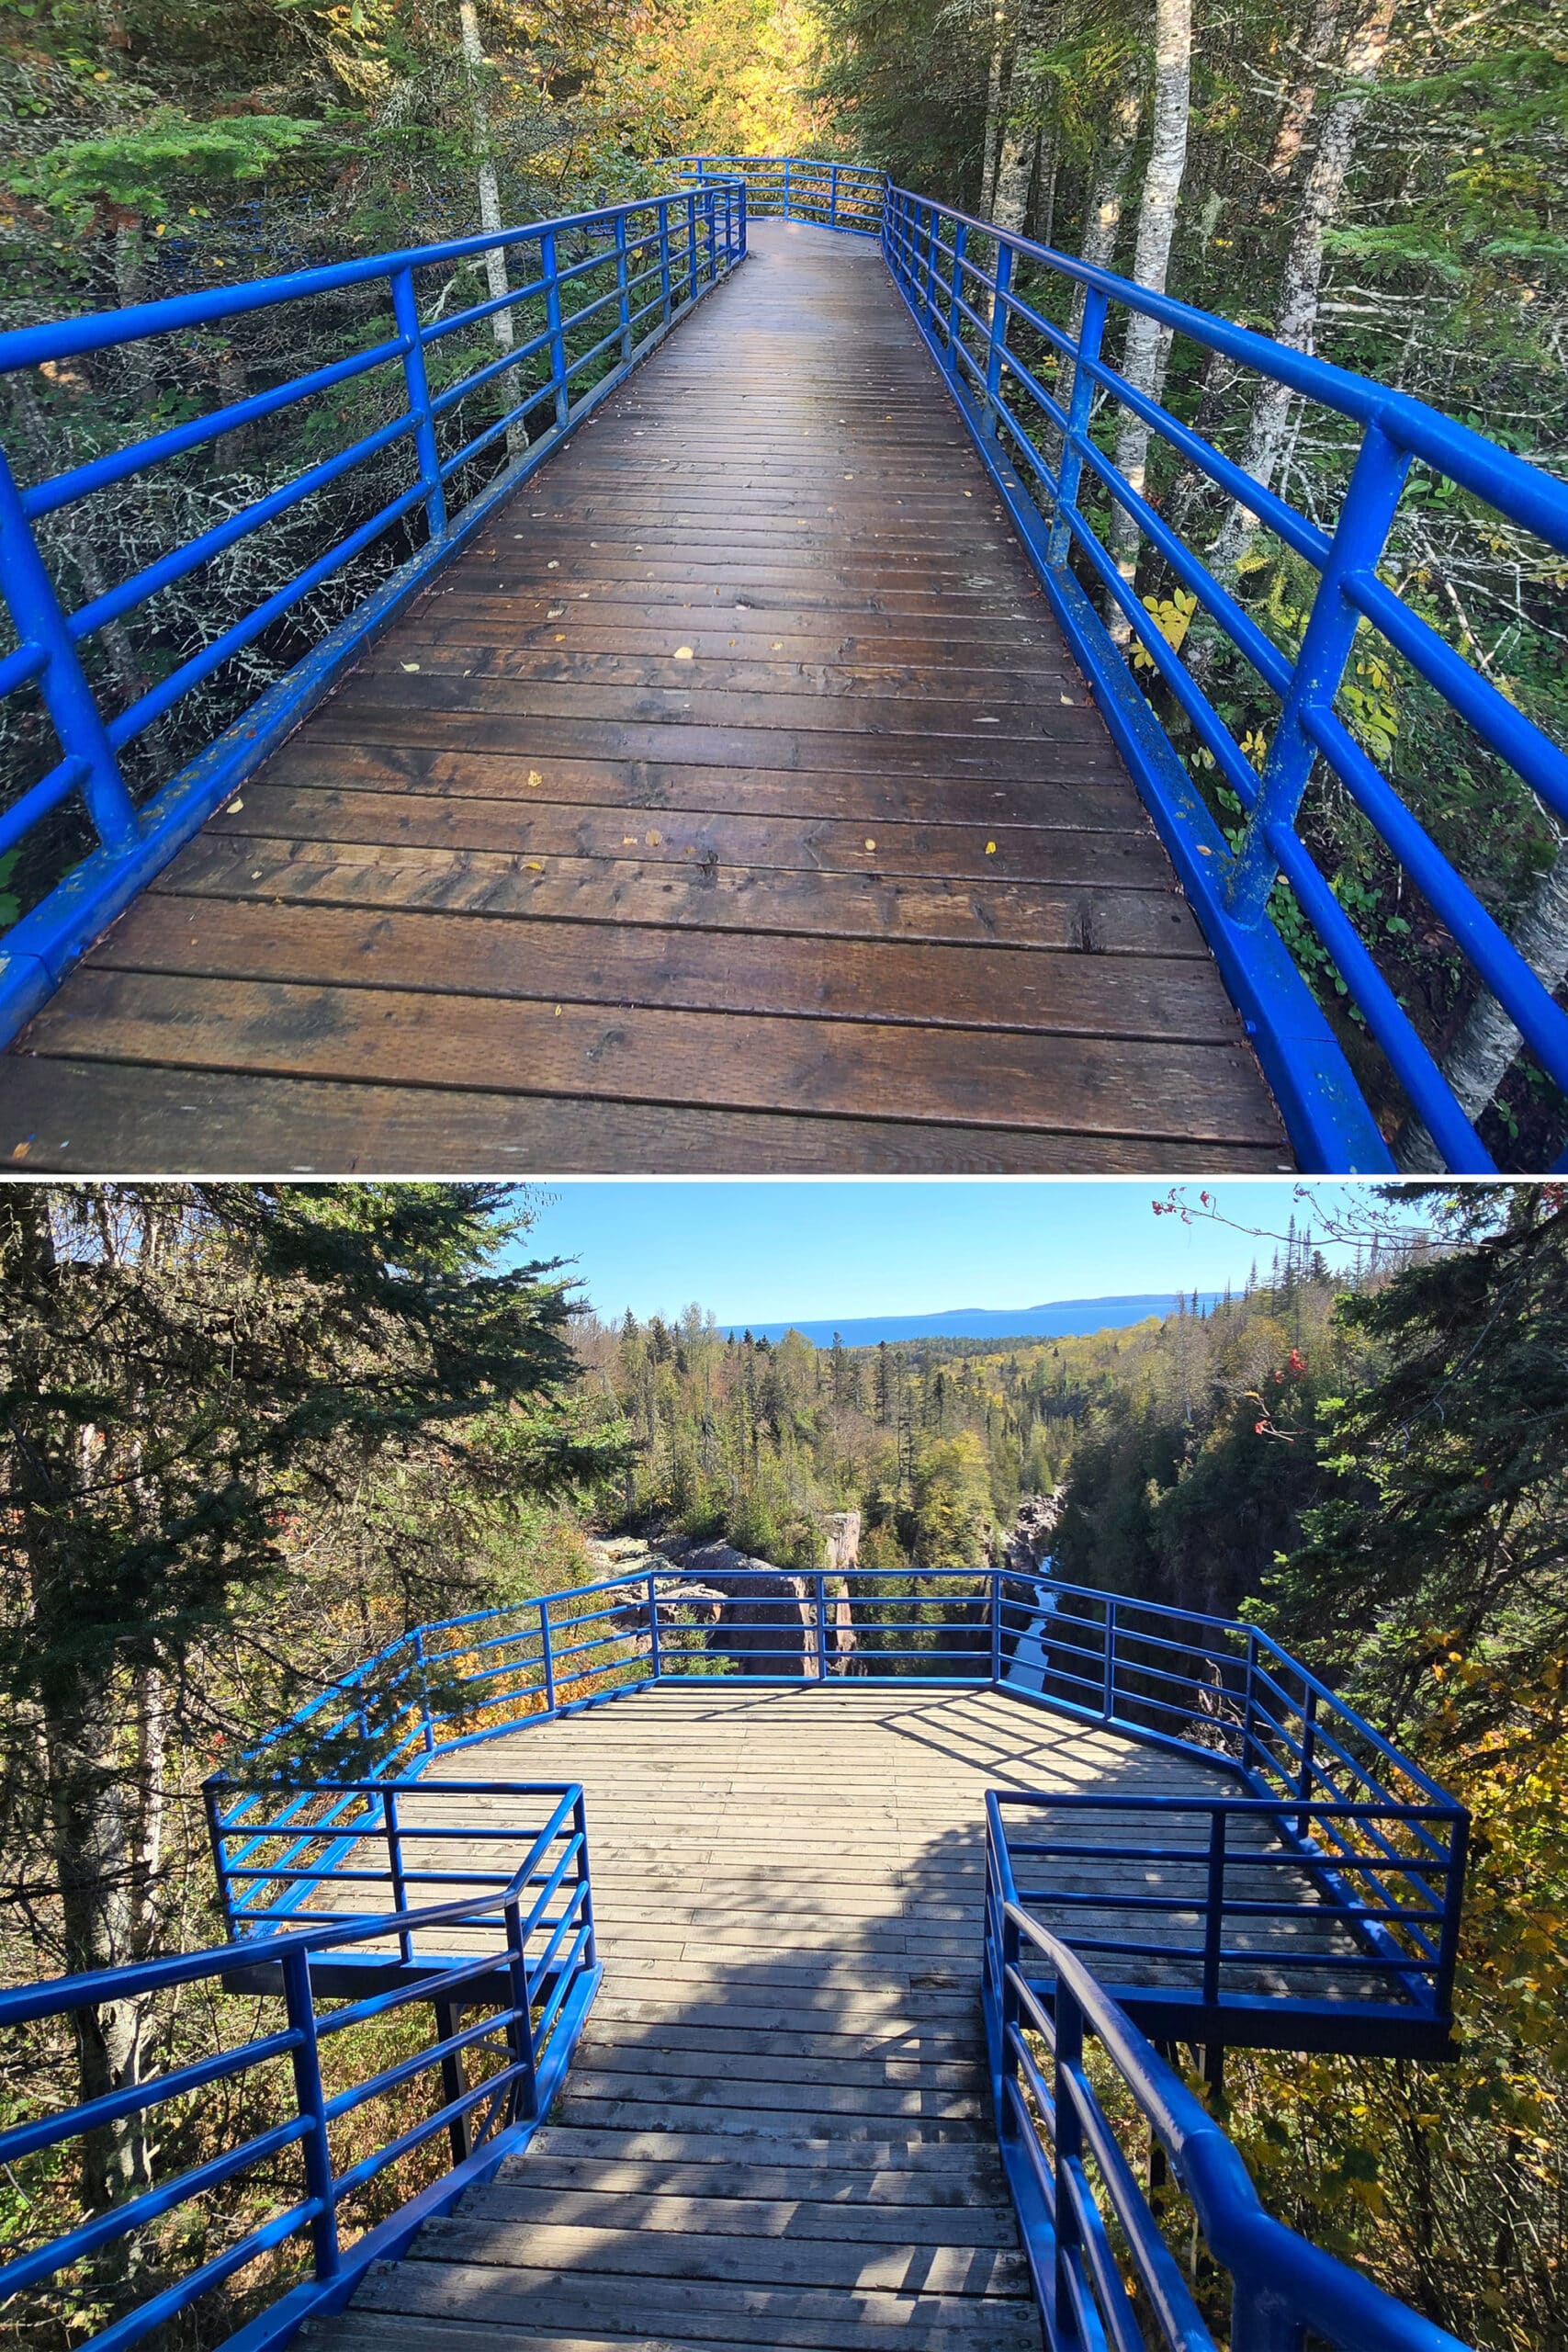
[(761, 1252)]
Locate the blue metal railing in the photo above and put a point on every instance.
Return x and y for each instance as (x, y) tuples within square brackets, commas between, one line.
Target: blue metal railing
[(599, 291), (1077, 2195), (1357, 1824), (1032, 394), (850, 198), (497, 2074)]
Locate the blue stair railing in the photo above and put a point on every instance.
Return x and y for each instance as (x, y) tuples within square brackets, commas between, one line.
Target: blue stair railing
[(496, 2073), (315, 1866), (1103, 2268), (460, 406)]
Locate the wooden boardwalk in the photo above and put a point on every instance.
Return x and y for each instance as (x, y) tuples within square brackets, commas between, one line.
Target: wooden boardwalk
[(776, 2129), (733, 804)]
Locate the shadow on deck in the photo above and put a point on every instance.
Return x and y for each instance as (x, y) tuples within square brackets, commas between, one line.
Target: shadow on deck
[(733, 804), (778, 2126)]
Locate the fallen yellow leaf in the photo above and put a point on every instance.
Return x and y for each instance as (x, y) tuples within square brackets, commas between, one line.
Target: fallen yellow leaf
[(684, 653), (534, 777), (532, 865), (870, 845), (990, 849)]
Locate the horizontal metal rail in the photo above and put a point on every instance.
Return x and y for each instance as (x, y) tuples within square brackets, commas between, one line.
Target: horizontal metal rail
[(596, 291), (849, 197), (1382, 1884), (534, 1984), (1079, 2200)]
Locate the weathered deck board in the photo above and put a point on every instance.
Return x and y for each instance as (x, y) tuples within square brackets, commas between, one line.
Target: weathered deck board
[(859, 884), (775, 2131)]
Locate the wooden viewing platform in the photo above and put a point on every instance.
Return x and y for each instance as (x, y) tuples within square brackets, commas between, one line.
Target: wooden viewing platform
[(732, 803), (776, 2130)]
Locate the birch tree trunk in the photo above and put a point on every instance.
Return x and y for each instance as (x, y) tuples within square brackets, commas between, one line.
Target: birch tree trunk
[(1143, 353), (1302, 92), (993, 113), (1102, 214), (1016, 149), (490, 206), (1482, 1054), (1295, 324)]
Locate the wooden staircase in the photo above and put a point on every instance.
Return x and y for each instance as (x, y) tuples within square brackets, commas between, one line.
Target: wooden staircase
[(776, 2128)]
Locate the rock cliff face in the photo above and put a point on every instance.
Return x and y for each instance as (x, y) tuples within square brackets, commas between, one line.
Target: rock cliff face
[(1033, 1532), (762, 1618)]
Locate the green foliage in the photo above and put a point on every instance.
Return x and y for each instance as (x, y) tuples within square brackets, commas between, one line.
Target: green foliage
[(157, 165)]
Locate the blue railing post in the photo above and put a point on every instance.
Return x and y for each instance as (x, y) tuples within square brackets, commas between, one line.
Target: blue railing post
[(787, 213), (665, 297), (1069, 2156), (546, 1658), (821, 1629), (1377, 480), (832, 196), (1249, 1704), (585, 1880), (1453, 1904), (996, 342), (213, 1791), (427, 1728), (524, 2100), (405, 309), (954, 316), (549, 270), (691, 244), (1309, 1753), (311, 2101), (1091, 329), (653, 1649), (395, 1866), (1215, 1906), (996, 1627), (1008, 2014), (39, 619), (1108, 1686), (621, 290)]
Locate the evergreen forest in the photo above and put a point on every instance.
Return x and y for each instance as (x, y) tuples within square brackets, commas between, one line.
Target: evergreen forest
[(253, 1434)]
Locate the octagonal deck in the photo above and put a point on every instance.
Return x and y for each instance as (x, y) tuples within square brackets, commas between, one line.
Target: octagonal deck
[(733, 803), (776, 2129)]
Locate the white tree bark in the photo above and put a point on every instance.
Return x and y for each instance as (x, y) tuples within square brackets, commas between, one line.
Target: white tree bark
[(1295, 324), (1301, 93), (1016, 148), (489, 208), (1143, 353), (1482, 1054), (993, 112)]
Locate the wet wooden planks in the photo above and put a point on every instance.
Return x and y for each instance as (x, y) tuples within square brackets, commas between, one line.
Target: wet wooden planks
[(776, 2129), (733, 803)]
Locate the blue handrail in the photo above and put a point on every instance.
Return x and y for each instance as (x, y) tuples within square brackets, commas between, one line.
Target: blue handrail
[(995, 346), (534, 1984), (600, 290), (1052, 2127)]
